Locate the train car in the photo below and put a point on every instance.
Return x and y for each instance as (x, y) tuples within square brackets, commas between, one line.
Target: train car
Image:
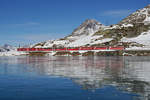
[(62, 49), (22, 49), (73, 49), (100, 48), (70, 49), (116, 48)]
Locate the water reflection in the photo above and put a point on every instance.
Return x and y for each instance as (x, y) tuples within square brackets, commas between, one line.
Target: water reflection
[(128, 74)]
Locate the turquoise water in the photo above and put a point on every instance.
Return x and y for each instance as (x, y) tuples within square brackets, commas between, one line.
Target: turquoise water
[(74, 78)]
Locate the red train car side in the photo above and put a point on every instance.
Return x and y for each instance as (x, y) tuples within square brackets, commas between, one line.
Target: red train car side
[(69, 49), (116, 48)]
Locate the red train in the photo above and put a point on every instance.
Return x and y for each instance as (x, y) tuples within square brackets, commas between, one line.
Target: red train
[(70, 49)]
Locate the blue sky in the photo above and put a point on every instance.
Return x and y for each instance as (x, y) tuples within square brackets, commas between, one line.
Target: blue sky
[(30, 21)]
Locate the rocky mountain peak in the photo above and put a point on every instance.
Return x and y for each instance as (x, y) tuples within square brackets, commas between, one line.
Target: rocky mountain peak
[(140, 16), (90, 22), (89, 26), (148, 6)]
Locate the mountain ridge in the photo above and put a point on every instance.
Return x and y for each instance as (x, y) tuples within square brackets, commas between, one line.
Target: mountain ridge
[(129, 32)]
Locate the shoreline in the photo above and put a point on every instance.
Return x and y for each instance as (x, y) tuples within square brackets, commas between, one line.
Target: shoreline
[(77, 53)]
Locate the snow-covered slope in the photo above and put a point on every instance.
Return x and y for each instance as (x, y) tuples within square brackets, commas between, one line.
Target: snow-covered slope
[(143, 39), (12, 53), (83, 35), (7, 47), (8, 50), (2, 49)]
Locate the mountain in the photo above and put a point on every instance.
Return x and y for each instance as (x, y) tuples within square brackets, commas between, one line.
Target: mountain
[(83, 35), (140, 16), (131, 32), (2, 49), (87, 27), (7, 47), (139, 35)]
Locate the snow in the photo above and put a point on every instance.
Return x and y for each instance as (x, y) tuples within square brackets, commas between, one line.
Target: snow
[(127, 25), (77, 32), (57, 42), (113, 27), (145, 11), (138, 48), (147, 19), (76, 41), (117, 26), (89, 39), (12, 53), (8, 50), (102, 41), (82, 40), (144, 39)]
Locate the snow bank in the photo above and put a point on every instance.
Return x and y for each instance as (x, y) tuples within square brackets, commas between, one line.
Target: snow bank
[(12, 53), (144, 39), (138, 48)]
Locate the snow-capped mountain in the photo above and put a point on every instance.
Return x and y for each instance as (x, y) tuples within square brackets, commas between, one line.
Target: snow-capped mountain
[(133, 31), (87, 27), (140, 16), (6, 48), (9, 47), (83, 35), (2, 49)]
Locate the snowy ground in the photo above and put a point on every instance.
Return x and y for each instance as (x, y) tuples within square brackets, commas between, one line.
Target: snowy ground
[(143, 39), (138, 48), (12, 53)]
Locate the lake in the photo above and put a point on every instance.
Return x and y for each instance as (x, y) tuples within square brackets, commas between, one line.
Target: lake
[(74, 78)]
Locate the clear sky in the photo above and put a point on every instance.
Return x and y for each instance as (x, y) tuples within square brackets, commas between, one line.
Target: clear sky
[(30, 21)]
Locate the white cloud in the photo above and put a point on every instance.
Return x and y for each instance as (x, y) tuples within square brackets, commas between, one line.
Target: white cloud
[(117, 13)]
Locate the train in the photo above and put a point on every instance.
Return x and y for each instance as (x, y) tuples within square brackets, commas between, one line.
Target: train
[(70, 49)]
